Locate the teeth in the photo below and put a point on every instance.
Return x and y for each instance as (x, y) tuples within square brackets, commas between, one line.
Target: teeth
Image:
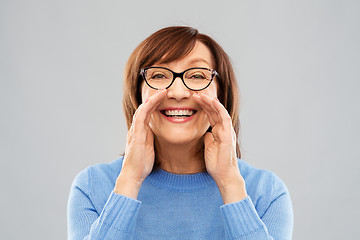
[(179, 112)]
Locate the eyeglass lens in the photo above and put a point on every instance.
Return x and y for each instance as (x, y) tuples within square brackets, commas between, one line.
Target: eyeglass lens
[(194, 79)]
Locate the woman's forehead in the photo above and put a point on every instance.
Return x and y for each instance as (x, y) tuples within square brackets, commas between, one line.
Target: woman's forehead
[(200, 56)]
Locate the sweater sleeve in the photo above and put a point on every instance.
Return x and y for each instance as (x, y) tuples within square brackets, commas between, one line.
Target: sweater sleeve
[(243, 222), (116, 220)]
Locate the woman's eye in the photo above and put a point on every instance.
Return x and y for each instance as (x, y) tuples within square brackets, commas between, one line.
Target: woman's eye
[(197, 76), (158, 76)]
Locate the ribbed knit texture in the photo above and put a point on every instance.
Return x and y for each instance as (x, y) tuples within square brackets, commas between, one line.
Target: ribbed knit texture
[(245, 214), (174, 206)]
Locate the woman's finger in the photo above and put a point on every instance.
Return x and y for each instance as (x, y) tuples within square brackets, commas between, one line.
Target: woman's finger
[(145, 104), (153, 102), (150, 137), (225, 122), (208, 104), (130, 134), (221, 110), (145, 110), (205, 108)]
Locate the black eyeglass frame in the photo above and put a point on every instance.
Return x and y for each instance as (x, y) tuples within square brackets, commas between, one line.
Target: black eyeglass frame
[(180, 75)]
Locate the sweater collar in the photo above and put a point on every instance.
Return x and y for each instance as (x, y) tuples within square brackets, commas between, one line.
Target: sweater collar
[(180, 182)]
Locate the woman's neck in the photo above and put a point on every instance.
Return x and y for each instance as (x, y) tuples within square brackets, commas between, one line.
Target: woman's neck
[(185, 158)]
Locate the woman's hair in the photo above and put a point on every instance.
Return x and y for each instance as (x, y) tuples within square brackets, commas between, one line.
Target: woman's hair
[(170, 44)]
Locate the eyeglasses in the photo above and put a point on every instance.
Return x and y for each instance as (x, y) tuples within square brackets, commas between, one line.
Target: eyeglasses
[(195, 79)]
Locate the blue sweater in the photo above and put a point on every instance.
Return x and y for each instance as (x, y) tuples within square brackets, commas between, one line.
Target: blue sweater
[(174, 206)]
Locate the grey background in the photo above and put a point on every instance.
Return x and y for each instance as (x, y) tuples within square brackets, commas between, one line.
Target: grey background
[(61, 66)]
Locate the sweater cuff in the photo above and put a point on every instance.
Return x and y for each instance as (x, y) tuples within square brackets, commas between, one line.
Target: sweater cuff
[(241, 218), (120, 213)]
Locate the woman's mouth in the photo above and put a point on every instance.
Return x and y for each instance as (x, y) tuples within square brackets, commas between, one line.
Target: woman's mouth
[(178, 115)]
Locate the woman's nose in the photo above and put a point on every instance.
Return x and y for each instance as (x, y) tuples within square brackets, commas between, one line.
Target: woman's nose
[(178, 90)]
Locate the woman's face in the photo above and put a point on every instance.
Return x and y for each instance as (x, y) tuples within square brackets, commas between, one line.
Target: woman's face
[(180, 130)]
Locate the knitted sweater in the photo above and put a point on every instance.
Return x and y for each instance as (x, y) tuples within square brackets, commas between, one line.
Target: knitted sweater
[(174, 206)]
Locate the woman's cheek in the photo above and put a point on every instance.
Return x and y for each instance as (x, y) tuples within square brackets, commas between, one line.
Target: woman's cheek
[(146, 92), (145, 96)]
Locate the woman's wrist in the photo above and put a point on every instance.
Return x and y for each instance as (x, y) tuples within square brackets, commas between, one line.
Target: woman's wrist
[(127, 186), (232, 190)]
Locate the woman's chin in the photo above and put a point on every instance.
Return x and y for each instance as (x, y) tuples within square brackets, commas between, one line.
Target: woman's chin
[(178, 141), (178, 137)]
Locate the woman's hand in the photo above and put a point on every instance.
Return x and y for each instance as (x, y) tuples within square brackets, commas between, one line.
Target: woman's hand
[(220, 150), (139, 151)]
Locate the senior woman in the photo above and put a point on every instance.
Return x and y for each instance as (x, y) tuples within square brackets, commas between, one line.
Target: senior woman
[(181, 176)]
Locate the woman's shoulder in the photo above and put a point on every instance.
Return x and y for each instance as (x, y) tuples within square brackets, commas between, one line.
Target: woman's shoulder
[(109, 169), (262, 185), (97, 181), (98, 174), (253, 173)]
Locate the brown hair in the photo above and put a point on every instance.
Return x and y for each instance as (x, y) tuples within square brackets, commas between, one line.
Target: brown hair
[(173, 43)]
